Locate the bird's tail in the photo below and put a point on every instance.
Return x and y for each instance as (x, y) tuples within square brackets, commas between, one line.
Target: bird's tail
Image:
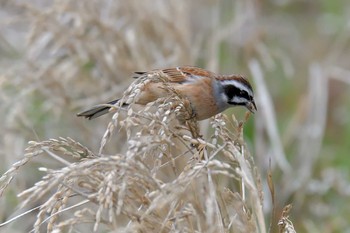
[(97, 110)]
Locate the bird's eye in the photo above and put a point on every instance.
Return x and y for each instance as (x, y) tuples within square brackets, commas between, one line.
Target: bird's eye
[(243, 94)]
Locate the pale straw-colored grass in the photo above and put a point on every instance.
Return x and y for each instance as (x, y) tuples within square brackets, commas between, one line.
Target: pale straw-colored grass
[(60, 57), (166, 181)]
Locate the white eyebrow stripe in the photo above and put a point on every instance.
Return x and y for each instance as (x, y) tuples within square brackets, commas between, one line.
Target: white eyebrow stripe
[(239, 85)]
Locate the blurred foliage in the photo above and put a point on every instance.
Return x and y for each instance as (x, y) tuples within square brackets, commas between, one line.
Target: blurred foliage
[(58, 57)]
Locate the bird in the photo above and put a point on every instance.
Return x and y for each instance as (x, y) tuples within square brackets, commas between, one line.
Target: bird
[(208, 93)]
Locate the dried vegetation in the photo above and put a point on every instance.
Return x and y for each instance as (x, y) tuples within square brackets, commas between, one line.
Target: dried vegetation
[(145, 172)]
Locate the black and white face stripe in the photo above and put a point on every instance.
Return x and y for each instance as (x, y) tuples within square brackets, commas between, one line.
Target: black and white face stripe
[(242, 86), (237, 93)]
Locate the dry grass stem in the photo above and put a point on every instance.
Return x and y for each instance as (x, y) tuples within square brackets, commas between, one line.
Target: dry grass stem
[(146, 189), (284, 224), (152, 168)]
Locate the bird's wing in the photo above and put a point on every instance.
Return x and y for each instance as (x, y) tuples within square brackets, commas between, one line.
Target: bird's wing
[(181, 75)]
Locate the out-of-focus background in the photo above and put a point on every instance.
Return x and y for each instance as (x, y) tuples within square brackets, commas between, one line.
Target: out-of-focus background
[(59, 57)]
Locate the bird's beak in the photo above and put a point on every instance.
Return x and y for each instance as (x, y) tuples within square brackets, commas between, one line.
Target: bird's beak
[(251, 106)]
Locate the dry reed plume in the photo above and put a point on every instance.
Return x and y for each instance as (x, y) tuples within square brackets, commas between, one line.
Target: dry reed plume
[(166, 181), (145, 171)]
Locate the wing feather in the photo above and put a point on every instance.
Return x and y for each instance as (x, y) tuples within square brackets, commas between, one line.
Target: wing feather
[(186, 74)]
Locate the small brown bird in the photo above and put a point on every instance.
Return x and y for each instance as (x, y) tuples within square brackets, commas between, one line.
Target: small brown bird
[(207, 92)]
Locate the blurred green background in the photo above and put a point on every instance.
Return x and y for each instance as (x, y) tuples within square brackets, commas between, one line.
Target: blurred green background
[(59, 57)]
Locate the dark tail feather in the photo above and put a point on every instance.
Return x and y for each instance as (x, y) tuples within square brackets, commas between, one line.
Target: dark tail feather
[(96, 111), (139, 73)]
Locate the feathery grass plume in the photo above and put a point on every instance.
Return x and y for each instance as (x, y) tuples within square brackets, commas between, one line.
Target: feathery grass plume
[(284, 224), (160, 184), (57, 57)]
